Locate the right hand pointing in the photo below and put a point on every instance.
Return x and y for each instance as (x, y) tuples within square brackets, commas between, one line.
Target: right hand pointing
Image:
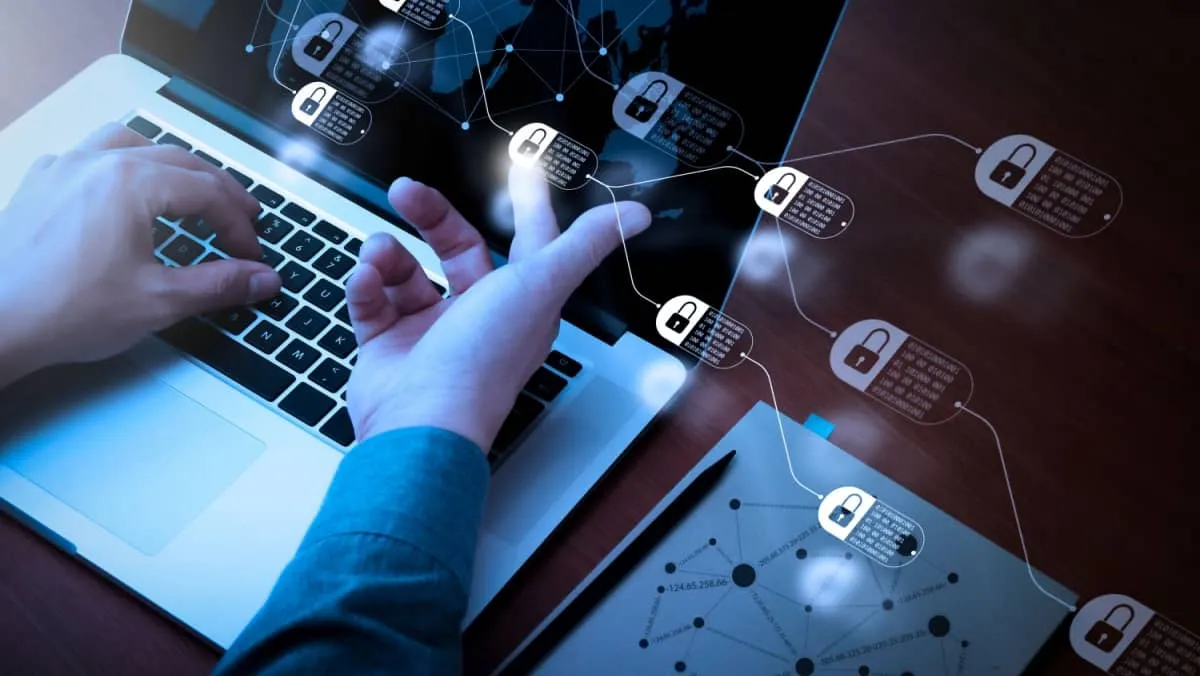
[(459, 363)]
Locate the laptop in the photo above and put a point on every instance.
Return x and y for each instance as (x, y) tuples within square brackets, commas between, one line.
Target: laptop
[(189, 469)]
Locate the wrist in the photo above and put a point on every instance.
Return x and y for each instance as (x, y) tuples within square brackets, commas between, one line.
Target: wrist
[(472, 420)]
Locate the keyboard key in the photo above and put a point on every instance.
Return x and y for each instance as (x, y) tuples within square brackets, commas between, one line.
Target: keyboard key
[(303, 246), (330, 232), (308, 323), (272, 228), (334, 264), (267, 196), (238, 176), (226, 355), (298, 356), (307, 404), (173, 140), (339, 341), (325, 295), (524, 412), (354, 246), (331, 376), (545, 384), (234, 320), (440, 289), (295, 278), (208, 158), (272, 257), (266, 336), (343, 315), (563, 364), (278, 307), (144, 127), (339, 428), (196, 226), (183, 250), (161, 233), (299, 214)]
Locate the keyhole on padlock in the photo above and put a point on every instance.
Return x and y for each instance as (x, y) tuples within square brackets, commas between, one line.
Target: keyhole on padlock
[(859, 362), (1007, 174)]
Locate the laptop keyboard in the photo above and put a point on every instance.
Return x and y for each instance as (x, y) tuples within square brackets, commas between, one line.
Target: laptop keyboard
[(296, 351)]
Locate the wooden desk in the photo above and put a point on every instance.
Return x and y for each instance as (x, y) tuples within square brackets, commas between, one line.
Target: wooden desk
[(1084, 352)]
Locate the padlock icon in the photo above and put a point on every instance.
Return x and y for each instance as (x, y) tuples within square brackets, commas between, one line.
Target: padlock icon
[(643, 107), (863, 357), (321, 45), (1105, 635), (842, 515), (533, 144), (679, 322), (313, 103), (777, 193), (1008, 173)]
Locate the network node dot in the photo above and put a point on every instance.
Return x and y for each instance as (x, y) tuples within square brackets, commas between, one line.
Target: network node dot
[(698, 623), (559, 98), (744, 575), (604, 51), (805, 666), (680, 667), (864, 670), (465, 126), (939, 625), (952, 578), (808, 609), (712, 542), (888, 604), (643, 643), (849, 556), (508, 48), (966, 644), (385, 65), (670, 568), (735, 504), (661, 589), (249, 49), (1107, 216), (801, 554), (958, 404)]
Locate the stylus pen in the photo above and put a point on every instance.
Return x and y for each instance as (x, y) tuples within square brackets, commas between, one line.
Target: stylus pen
[(607, 579)]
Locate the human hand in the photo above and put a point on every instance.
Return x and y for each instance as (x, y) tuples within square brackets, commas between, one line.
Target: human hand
[(459, 363), (80, 281)]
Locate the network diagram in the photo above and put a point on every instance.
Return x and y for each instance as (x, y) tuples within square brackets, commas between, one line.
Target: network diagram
[(353, 67)]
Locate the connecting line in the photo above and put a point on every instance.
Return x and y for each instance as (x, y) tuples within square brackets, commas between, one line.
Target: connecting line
[(744, 156), (792, 283), (582, 59), (1012, 499), (624, 246), (689, 173), (779, 417), (975, 149), (479, 70)]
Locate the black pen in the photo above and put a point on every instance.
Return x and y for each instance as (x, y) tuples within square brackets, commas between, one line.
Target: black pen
[(607, 579)]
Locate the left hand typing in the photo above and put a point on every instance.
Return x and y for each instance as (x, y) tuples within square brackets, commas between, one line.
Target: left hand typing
[(80, 281)]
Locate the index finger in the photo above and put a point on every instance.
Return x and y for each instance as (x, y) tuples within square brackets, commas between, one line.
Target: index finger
[(171, 189), (111, 137), (465, 256)]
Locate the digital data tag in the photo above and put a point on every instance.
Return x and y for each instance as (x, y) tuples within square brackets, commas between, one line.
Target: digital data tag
[(804, 203), (1048, 186), (565, 162), (705, 332), (900, 371), (371, 66), (331, 113), (877, 530), (1123, 637), (428, 14), (679, 120)]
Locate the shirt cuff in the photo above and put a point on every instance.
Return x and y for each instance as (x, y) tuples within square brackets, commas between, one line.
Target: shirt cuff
[(423, 485)]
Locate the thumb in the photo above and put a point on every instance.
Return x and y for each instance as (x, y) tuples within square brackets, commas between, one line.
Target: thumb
[(575, 254), (216, 285)]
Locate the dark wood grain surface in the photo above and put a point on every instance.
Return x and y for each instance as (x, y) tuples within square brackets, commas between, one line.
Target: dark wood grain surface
[(1084, 352)]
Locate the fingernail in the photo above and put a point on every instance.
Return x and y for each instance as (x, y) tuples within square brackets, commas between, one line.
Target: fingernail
[(263, 285), (402, 182)]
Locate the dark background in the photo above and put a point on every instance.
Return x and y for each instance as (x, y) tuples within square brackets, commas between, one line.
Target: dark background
[(1084, 352)]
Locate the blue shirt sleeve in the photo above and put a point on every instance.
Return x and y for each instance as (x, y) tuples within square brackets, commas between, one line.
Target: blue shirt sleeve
[(380, 581)]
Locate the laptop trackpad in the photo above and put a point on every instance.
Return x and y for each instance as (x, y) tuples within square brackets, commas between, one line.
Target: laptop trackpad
[(124, 449)]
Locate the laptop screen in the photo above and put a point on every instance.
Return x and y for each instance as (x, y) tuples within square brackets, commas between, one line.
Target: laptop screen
[(408, 79)]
